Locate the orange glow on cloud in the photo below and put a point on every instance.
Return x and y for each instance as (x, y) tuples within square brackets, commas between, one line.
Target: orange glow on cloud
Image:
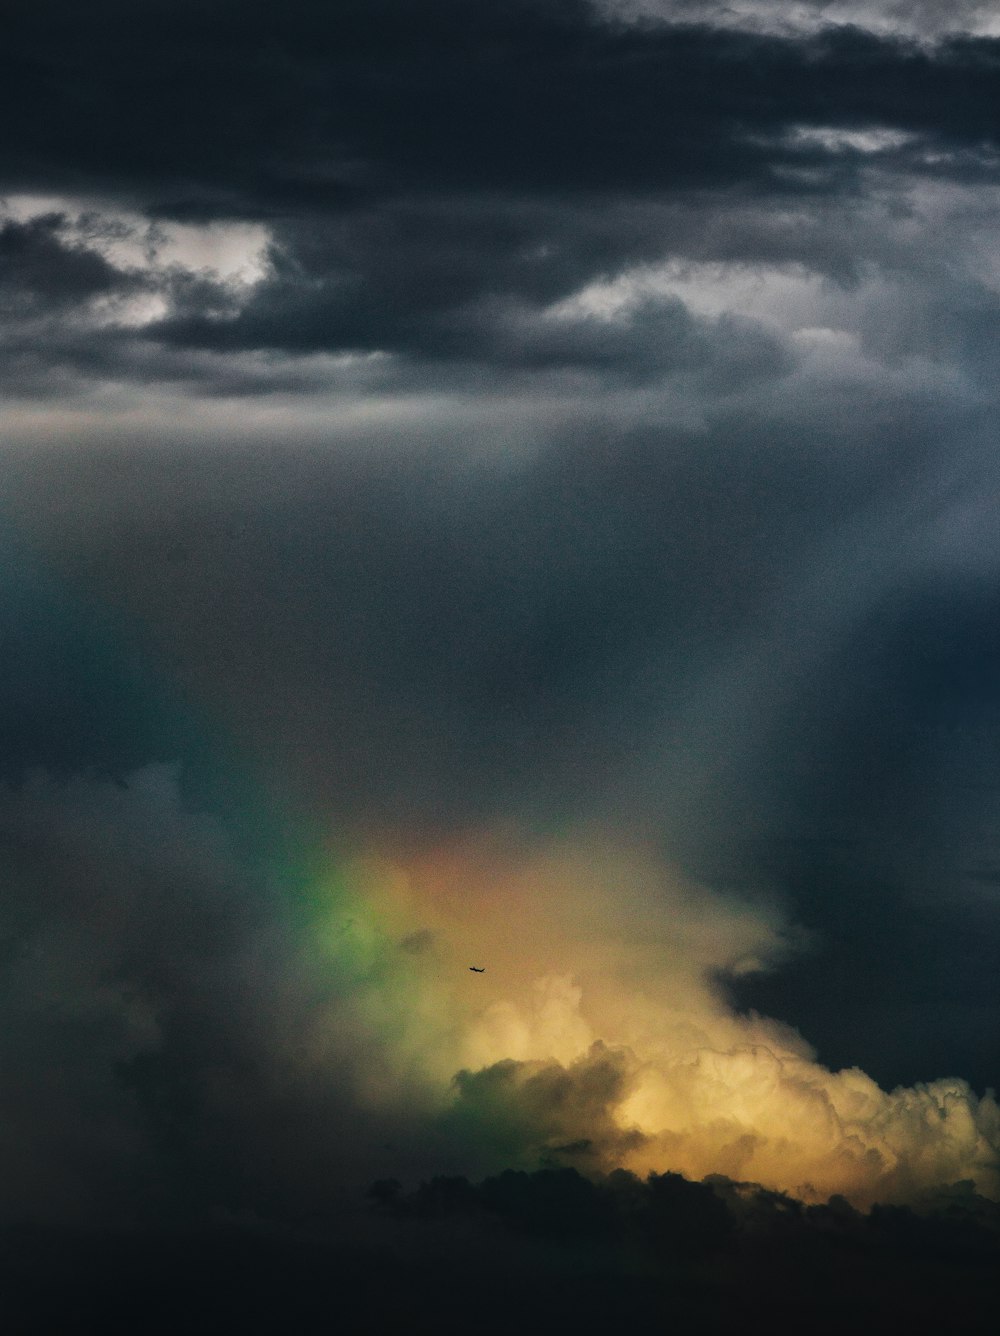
[(598, 970)]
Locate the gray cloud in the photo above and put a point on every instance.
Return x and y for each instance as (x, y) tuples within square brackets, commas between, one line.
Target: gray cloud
[(178, 1044), (522, 95)]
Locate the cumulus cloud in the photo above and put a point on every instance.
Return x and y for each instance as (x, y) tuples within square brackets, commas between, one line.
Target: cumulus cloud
[(634, 1059), (209, 1042)]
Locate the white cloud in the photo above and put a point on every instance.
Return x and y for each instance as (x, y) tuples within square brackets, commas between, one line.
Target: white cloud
[(233, 253), (630, 952), (922, 19)]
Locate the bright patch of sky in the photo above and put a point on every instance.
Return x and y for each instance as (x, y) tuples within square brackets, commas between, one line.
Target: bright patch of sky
[(234, 252), (785, 296), (922, 19), (873, 139)]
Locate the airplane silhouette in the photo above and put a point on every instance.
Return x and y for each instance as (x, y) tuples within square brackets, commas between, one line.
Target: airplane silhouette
[(475, 970)]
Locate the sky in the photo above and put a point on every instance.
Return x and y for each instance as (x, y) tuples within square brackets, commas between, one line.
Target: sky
[(499, 483)]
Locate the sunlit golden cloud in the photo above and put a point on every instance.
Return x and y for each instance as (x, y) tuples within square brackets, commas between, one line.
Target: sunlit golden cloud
[(598, 1036)]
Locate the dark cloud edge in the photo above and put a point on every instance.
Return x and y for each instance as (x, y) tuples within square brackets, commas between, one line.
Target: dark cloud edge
[(228, 114)]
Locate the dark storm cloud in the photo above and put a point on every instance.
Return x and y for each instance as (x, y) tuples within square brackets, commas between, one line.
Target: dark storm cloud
[(905, 791), (449, 284), (73, 314), (174, 1041), (38, 271), (51, 283), (436, 180), (467, 280), (114, 903), (61, 299), (318, 102)]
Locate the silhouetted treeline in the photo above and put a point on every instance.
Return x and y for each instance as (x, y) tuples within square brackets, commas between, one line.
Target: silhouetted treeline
[(669, 1213), (551, 1251)]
